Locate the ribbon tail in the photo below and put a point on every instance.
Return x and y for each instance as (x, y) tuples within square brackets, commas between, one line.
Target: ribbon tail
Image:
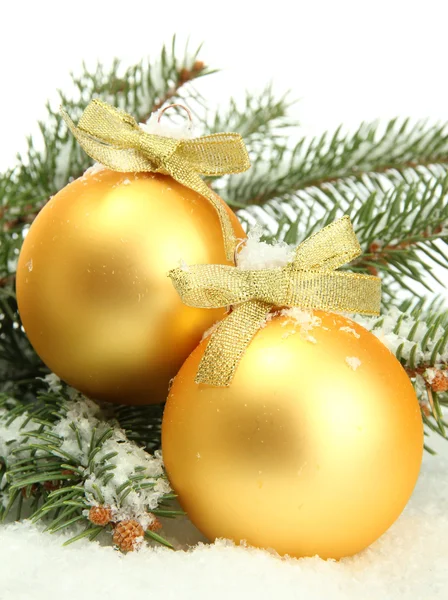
[(193, 181), (106, 122), (225, 349), (216, 154), (335, 291), (330, 248)]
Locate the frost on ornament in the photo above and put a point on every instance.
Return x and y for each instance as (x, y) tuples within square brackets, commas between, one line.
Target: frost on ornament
[(256, 255), (304, 321), (94, 169), (350, 330), (210, 330), (353, 362)]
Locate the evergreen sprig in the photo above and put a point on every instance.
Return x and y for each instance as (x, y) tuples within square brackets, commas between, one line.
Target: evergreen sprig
[(262, 119), (399, 226), (417, 333), (55, 467), (391, 180), (372, 148)]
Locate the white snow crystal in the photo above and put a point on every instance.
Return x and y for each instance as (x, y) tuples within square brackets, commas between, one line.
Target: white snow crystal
[(11, 437), (350, 330), (95, 168), (430, 375), (255, 254), (183, 265), (129, 461), (353, 362), (303, 320), (11, 264), (53, 382), (210, 330), (387, 334)]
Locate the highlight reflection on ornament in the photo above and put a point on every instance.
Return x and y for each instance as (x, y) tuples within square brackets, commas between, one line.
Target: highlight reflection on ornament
[(314, 448), (97, 304)]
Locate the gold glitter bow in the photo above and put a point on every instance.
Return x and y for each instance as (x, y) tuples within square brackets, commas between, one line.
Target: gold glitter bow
[(113, 138), (308, 281)]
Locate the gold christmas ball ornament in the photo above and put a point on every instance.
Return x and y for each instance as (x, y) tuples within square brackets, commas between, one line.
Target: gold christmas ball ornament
[(92, 285), (314, 448)]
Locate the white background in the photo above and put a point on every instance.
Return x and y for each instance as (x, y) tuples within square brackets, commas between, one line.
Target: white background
[(345, 60)]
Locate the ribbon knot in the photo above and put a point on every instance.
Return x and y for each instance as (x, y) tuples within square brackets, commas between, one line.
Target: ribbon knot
[(113, 138), (309, 281)]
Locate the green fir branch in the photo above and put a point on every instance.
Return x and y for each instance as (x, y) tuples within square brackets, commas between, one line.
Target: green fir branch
[(393, 149), (417, 333), (142, 424), (59, 454), (261, 119), (401, 228)]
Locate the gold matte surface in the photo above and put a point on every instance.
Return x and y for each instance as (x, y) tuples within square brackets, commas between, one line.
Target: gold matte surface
[(301, 453), (92, 284)]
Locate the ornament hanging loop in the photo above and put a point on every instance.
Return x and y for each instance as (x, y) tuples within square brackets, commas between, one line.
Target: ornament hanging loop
[(185, 108), (238, 247)]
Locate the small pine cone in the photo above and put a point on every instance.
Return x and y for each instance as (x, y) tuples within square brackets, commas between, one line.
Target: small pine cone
[(184, 75), (100, 515), (198, 66), (156, 525), (425, 409), (50, 486), (126, 534), (29, 491), (374, 247), (439, 382)]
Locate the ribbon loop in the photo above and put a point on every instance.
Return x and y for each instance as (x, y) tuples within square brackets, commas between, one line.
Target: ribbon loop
[(330, 248), (113, 138), (107, 123), (309, 281), (204, 158)]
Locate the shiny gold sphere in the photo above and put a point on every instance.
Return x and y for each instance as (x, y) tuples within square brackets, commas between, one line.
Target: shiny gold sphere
[(92, 284), (314, 448)]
